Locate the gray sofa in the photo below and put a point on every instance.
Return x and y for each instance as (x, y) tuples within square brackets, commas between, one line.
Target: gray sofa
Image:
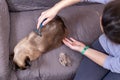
[(19, 17)]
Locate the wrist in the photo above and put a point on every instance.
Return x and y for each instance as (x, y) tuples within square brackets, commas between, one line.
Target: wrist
[(84, 49), (57, 8)]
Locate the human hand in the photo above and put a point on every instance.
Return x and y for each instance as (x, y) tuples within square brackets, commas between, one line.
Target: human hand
[(74, 44), (49, 14)]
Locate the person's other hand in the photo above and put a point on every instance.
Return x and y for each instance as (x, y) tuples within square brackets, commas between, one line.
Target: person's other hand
[(74, 44), (49, 14)]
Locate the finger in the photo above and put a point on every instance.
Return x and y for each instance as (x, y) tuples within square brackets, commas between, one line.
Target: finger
[(38, 25), (73, 39), (77, 42), (39, 22), (40, 19), (65, 41), (69, 41)]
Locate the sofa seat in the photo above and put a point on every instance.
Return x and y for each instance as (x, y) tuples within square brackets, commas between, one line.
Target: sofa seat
[(47, 67)]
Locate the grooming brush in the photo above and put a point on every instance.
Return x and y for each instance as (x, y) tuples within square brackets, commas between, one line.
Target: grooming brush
[(38, 31), (40, 27)]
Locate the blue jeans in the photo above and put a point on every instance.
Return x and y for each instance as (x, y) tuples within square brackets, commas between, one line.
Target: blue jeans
[(88, 70)]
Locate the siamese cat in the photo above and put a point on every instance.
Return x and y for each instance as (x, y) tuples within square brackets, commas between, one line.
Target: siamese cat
[(34, 45)]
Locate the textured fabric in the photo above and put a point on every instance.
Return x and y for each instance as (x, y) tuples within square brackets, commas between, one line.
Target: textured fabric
[(47, 66), (4, 40), (112, 76), (81, 24), (113, 60), (23, 5)]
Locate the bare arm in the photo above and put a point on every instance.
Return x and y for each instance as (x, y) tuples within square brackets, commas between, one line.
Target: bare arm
[(64, 3), (94, 55), (52, 12)]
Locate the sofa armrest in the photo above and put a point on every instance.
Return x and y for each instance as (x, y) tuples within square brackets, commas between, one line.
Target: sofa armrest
[(4, 40)]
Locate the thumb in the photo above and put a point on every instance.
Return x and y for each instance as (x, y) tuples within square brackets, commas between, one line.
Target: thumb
[(39, 22)]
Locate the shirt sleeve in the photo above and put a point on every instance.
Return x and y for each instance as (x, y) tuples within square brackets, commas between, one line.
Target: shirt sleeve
[(99, 1), (112, 64)]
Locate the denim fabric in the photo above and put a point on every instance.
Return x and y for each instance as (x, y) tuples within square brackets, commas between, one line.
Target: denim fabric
[(88, 70)]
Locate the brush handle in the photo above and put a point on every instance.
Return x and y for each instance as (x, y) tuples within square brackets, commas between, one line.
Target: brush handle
[(41, 25)]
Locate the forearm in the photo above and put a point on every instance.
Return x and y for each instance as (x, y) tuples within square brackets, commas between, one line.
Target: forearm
[(96, 56), (64, 3)]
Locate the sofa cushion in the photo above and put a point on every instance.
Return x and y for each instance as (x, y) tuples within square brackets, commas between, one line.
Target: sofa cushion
[(4, 40), (82, 23), (22, 23), (21, 5)]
